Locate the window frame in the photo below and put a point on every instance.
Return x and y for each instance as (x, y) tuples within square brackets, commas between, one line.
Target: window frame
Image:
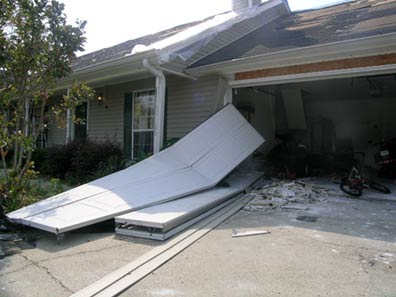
[(87, 120), (133, 130)]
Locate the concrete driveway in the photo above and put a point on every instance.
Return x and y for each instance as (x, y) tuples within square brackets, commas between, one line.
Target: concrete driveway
[(349, 251)]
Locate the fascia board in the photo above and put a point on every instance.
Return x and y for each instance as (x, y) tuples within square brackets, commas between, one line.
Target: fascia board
[(379, 44)]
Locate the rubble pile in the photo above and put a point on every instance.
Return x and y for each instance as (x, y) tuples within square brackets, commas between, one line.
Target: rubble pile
[(287, 195)]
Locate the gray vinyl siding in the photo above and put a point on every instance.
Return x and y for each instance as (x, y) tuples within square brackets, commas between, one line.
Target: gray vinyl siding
[(190, 102), (106, 119), (56, 135)]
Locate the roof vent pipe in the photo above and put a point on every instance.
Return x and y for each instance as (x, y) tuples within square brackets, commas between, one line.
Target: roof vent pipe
[(238, 5)]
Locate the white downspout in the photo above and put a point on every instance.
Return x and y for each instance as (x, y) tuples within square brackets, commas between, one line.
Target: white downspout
[(160, 85)]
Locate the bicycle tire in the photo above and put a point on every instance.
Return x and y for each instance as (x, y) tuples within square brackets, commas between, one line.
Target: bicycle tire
[(380, 188), (344, 186)]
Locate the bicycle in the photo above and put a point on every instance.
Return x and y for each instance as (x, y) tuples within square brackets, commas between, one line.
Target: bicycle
[(357, 180)]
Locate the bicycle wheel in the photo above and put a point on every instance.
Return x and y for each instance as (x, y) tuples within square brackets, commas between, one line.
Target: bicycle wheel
[(379, 187), (353, 191)]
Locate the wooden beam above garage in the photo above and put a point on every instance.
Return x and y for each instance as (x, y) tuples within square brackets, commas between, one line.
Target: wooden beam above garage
[(378, 60)]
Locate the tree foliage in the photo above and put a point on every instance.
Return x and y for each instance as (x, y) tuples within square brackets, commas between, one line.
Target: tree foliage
[(37, 48)]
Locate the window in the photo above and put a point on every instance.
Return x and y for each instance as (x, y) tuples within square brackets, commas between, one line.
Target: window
[(80, 128), (42, 138), (143, 119)]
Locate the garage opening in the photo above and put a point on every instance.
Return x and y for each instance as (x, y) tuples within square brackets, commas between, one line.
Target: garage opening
[(318, 128)]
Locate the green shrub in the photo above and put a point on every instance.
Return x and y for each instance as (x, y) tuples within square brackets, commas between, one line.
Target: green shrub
[(93, 157), (39, 156), (169, 143), (59, 159), (112, 164), (16, 193), (81, 161)]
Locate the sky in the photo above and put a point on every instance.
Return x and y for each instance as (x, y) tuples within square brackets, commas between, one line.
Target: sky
[(110, 22)]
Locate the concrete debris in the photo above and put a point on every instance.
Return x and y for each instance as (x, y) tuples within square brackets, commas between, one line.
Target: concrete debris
[(308, 219), (13, 243), (295, 207), (294, 195), (236, 233), (386, 261), (385, 258), (10, 237)]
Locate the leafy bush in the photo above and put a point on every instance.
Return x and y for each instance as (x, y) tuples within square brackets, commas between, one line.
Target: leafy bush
[(39, 157), (59, 159), (80, 161), (169, 143), (112, 164), (93, 157), (16, 193)]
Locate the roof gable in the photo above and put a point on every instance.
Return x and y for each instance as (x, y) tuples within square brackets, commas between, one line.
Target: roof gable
[(184, 44)]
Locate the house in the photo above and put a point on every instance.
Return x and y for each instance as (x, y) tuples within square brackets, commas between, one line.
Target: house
[(326, 75)]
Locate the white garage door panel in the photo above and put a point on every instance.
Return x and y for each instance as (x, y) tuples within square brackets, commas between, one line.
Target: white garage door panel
[(231, 153), (59, 220), (195, 163), (164, 214), (109, 205), (147, 193), (154, 167), (208, 135)]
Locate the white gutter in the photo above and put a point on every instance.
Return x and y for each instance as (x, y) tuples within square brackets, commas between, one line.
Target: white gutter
[(160, 85), (177, 73)]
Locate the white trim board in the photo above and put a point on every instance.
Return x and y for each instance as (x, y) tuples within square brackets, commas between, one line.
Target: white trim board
[(196, 162)]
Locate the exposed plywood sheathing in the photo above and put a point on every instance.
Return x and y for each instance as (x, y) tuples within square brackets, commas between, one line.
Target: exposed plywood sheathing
[(341, 64)]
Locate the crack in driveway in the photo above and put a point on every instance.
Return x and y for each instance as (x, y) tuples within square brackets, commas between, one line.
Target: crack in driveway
[(59, 257), (48, 272)]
